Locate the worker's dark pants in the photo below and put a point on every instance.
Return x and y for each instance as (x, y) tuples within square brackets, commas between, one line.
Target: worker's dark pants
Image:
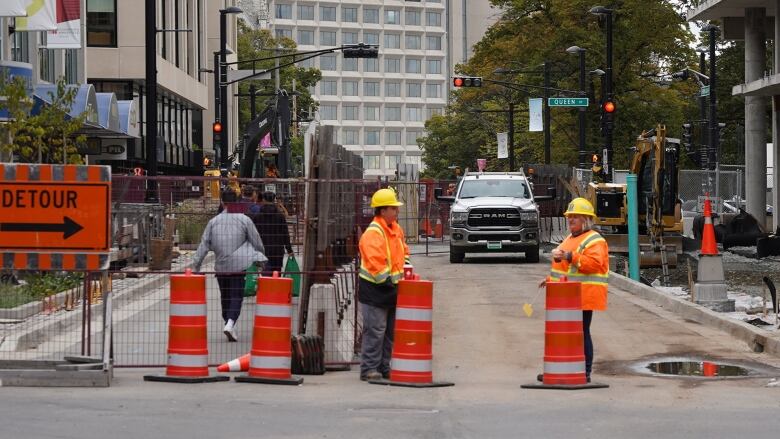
[(231, 290), (587, 316), (377, 344)]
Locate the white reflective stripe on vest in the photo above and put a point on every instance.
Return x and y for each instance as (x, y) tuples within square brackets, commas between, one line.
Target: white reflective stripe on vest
[(414, 314), (273, 311), (556, 315), (182, 360), (403, 365), (188, 310), (256, 362), (564, 367)]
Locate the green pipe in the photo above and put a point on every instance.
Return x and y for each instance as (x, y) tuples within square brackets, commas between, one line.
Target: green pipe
[(633, 227)]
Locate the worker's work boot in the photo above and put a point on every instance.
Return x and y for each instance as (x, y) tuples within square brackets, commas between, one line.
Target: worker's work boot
[(371, 375)]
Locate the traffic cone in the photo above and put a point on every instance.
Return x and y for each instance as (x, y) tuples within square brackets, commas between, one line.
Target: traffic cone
[(188, 350), (709, 369), (564, 343), (412, 358), (240, 364), (437, 230), (708, 244)]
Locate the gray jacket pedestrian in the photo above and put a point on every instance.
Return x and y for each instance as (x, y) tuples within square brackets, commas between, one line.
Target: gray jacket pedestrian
[(234, 240)]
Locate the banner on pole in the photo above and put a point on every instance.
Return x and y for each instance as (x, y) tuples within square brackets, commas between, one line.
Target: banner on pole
[(503, 143), (68, 33), (13, 8), (40, 16), (535, 119)]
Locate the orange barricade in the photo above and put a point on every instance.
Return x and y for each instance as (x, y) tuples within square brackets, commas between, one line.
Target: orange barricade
[(271, 356), (564, 342), (412, 361), (708, 244), (188, 353)]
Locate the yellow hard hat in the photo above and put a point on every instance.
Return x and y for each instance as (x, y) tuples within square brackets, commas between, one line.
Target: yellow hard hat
[(580, 206), (385, 197)]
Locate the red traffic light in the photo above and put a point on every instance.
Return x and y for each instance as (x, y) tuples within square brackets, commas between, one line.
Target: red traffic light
[(609, 107), (457, 82), (217, 127)]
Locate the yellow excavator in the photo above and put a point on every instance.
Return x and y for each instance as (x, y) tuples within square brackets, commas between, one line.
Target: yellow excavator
[(655, 162)]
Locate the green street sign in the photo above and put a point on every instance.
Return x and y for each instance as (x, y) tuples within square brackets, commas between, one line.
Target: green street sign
[(705, 90), (567, 102)]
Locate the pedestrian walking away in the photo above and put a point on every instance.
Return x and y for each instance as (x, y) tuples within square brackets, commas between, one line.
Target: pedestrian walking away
[(272, 226), (383, 254), (233, 238), (583, 257)]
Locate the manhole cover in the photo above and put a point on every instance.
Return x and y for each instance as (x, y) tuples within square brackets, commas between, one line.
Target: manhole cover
[(698, 368)]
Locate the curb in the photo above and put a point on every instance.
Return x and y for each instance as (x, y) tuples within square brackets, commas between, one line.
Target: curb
[(757, 339)]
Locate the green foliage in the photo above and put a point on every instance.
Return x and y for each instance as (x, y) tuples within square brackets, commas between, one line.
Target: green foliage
[(37, 287), (39, 138), (650, 40)]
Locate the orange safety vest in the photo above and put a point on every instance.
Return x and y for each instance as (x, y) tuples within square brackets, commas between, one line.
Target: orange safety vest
[(383, 252), (589, 265)]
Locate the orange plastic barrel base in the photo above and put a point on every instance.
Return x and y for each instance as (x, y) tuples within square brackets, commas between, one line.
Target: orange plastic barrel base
[(385, 382), (186, 379), (294, 380), (591, 385)]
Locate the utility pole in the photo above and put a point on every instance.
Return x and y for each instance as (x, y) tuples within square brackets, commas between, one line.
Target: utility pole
[(608, 92), (704, 124), (223, 98), (547, 118), (580, 52), (511, 115), (150, 32), (714, 152)]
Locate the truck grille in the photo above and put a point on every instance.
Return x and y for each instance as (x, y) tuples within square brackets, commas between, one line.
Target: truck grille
[(494, 218), (514, 237)]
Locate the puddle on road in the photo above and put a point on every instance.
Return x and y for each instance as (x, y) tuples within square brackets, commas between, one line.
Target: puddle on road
[(705, 369)]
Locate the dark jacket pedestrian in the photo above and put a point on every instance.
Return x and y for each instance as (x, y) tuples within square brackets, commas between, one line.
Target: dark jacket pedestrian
[(272, 226)]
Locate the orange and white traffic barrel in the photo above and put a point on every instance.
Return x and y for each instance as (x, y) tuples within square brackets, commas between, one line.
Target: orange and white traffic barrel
[(188, 353), (564, 342), (411, 364), (270, 360)]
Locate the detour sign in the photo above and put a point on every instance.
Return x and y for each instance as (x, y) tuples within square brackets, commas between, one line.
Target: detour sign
[(55, 215)]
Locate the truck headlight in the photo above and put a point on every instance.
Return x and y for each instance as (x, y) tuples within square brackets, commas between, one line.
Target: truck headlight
[(459, 217), (530, 217)]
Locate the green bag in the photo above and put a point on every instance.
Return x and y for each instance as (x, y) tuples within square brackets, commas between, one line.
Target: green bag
[(292, 271), (250, 281)]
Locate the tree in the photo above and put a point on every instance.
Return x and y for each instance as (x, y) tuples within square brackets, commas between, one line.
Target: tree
[(40, 138), (651, 40)]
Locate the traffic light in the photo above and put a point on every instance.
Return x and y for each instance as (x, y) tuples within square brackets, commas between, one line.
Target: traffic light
[(360, 50), (609, 107), (216, 131), (467, 81)]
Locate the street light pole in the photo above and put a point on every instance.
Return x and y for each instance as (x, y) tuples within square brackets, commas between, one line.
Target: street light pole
[(150, 128), (581, 115), (223, 99), (511, 136), (547, 118), (608, 91), (714, 153)]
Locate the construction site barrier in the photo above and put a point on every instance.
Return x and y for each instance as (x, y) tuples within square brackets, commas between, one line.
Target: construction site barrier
[(270, 361), (188, 350), (411, 364)]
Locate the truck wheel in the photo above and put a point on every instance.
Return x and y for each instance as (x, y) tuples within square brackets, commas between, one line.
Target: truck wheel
[(456, 257), (532, 255)]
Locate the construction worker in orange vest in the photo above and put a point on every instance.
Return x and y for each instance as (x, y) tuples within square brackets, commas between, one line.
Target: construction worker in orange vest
[(383, 254), (583, 257)]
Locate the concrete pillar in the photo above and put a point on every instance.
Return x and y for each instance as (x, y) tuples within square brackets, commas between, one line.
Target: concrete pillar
[(755, 107), (776, 127)]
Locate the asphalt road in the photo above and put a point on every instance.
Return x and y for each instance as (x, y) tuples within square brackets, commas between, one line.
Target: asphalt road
[(483, 343)]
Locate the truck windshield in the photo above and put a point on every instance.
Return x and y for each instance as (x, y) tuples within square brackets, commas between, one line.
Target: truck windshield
[(494, 188)]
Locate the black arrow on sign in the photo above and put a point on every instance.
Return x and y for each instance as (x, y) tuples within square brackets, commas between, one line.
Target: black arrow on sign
[(68, 227)]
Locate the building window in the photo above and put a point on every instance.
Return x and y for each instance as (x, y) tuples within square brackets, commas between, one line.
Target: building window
[(349, 15), (430, 112), (351, 137), (349, 65), (412, 18), (414, 114), (71, 66), (413, 65), (413, 42), (433, 67), (372, 138), (349, 37), (392, 65), (327, 38), (433, 90), (328, 62), (392, 41), (433, 19), (393, 90), (371, 16), (305, 12), (329, 87), (371, 88), (350, 88), (306, 37), (433, 43), (392, 16), (414, 160), (284, 11), (393, 114), (351, 112), (372, 113), (283, 33), (371, 161), (21, 46), (370, 65), (412, 136), (101, 23), (307, 63), (327, 13), (414, 90), (392, 160), (371, 38), (393, 138), (329, 112)]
